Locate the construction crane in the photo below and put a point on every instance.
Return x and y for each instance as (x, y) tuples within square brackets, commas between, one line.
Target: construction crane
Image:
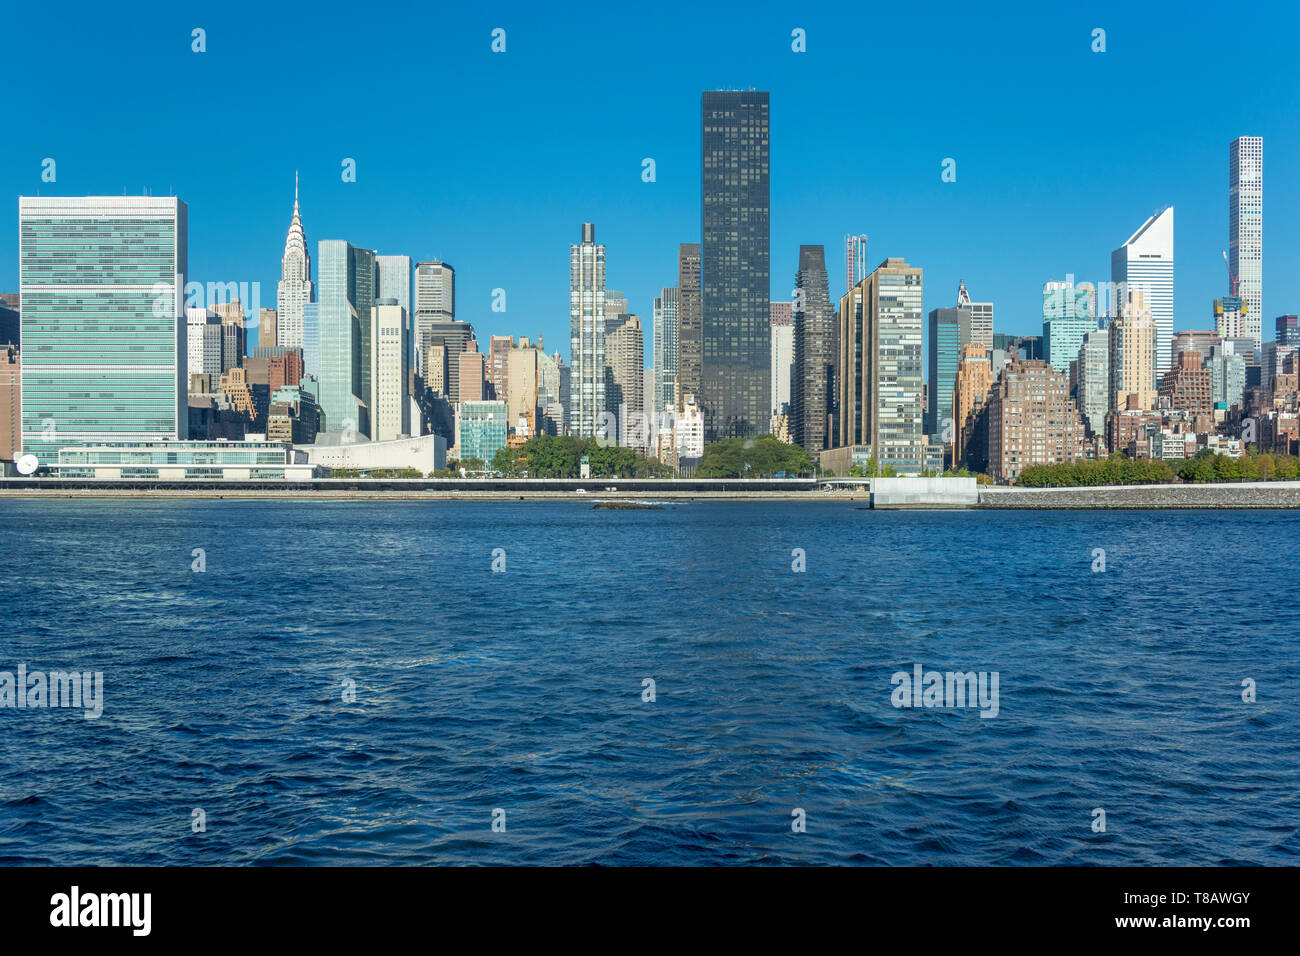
[(1232, 280)]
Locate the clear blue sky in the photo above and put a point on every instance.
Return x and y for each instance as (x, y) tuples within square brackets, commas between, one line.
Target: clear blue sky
[(492, 161)]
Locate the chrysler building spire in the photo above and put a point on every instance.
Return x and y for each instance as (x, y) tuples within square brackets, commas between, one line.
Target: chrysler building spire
[(294, 290)]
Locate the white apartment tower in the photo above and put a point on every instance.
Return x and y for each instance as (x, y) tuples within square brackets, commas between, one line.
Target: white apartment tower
[(586, 334), (390, 418), (294, 290), (1145, 263), (1246, 228)]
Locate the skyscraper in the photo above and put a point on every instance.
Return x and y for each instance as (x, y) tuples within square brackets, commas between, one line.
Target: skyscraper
[(625, 389), (950, 333), (103, 333), (1094, 379), (969, 392), (1246, 227), (1131, 341), (347, 294), (498, 365), (434, 302), (664, 352), (782, 356), (981, 317), (294, 289), (311, 340), (1068, 315), (734, 264), (393, 276), (688, 324), (855, 260), (586, 333), (1145, 263), (390, 361), (814, 342), (456, 336), (880, 359)]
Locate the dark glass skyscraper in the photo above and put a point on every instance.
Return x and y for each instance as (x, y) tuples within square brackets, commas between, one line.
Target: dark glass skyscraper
[(735, 283), (813, 356)]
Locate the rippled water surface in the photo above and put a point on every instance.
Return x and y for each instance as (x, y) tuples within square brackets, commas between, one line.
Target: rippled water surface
[(522, 690)]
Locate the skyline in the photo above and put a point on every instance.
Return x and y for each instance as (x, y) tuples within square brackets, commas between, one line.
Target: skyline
[(509, 220)]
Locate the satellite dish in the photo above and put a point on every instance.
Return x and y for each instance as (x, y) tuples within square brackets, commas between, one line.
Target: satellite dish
[(28, 464)]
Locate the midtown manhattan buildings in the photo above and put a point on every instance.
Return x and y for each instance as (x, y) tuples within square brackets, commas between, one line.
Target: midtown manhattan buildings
[(1131, 341), (950, 333), (347, 298), (1146, 263), (102, 281), (586, 333), (1246, 228), (782, 355), (981, 317), (664, 352), (294, 289), (1069, 313), (688, 324), (880, 364), (434, 301), (734, 264), (814, 353)]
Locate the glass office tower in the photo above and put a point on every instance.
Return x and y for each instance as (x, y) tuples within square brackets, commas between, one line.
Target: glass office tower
[(102, 281)]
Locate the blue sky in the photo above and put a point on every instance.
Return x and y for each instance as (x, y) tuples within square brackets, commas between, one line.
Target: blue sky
[(492, 161)]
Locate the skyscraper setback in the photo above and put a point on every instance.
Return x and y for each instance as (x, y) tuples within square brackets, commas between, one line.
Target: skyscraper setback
[(734, 264), (1246, 228)]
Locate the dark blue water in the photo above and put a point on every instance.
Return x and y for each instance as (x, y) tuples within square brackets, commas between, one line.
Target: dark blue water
[(522, 690)]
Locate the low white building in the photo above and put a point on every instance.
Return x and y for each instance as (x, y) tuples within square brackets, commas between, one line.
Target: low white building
[(425, 454), (253, 459)]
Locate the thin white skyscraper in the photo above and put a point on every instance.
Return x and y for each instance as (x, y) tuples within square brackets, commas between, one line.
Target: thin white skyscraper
[(1246, 228), (294, 290), (586, 334), (1146, 263), (665, 351)]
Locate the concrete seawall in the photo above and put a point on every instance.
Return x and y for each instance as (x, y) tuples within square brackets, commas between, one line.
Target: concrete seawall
[(1259, 494)]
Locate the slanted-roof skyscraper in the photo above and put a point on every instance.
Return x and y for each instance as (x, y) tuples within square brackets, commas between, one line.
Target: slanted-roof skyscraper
[(1145, 263), (294, 289), (734, 264)]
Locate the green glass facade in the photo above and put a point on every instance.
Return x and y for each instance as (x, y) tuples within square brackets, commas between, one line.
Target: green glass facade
[(346, 291), (481, 429), (103, 339)]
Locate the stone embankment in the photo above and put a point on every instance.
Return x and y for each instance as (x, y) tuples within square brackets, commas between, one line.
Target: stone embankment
[(1258, 494)]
